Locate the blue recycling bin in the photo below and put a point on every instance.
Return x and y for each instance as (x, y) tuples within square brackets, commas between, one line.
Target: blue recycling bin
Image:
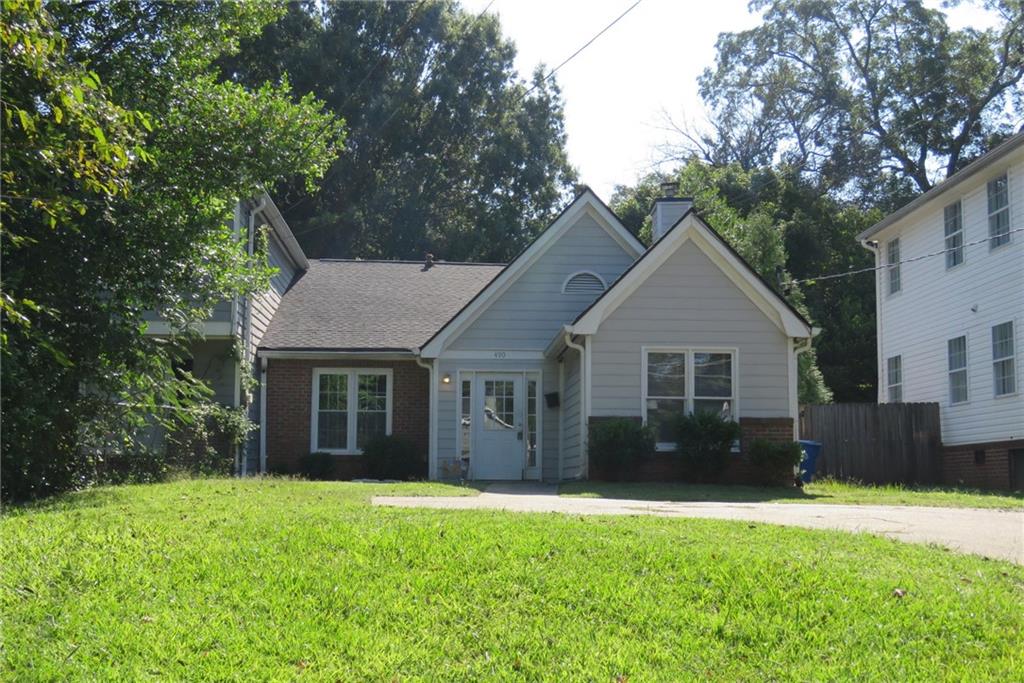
[(811, 449)]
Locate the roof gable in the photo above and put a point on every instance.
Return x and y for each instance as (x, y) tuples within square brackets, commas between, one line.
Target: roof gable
[(691, 228), (973, 169), (586, 203)]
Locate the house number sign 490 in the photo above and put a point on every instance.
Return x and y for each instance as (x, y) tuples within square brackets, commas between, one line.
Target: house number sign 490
[(499, 354)]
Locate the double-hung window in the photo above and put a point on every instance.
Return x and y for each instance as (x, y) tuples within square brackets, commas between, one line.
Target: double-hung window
[(892, 259), (894, 378), (1004, 370), (956, 359), (350, 407), (954, 231), (683, 380), (998, 212)]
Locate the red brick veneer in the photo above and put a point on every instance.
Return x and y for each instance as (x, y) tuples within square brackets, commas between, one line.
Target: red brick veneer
[(960, 469), (289, 399)]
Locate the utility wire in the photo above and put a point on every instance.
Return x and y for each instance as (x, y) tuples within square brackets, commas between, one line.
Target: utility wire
[(582, 48), (887, 266)]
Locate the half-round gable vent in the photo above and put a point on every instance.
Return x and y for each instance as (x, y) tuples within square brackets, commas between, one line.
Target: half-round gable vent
[(583, 283)]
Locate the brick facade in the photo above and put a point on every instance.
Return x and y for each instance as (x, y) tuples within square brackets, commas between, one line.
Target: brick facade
[(667, 466), (289, 405), (982, 465)]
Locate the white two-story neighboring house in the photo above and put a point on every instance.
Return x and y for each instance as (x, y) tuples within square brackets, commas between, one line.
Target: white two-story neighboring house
[(950, 304)]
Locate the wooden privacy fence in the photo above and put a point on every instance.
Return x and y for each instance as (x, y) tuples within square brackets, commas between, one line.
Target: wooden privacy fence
[(876, 443)]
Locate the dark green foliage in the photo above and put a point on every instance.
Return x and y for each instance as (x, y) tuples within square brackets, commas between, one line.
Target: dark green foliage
[(319, 466), (447, 152), (774, 460), (394, 457), (616, 445), (123, 158), (704, 441)]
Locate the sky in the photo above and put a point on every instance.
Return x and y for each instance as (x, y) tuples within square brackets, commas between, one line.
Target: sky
[(620, 91)]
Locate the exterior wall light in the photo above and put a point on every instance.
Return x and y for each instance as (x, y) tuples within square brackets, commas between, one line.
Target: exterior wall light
[(447, 379)]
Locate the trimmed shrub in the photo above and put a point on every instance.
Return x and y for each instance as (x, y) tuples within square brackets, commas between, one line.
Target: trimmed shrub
[(318, 466), (704, 442), (393, 457), (617, 444), (775, 461)]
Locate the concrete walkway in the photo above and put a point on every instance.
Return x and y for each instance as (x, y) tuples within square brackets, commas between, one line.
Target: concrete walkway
[(997, 534)]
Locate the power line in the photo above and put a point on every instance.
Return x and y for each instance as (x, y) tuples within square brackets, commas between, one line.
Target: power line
[(887, 266), (582, 48)]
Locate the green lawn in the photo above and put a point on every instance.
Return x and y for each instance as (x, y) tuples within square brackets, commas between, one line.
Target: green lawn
[(283, 580), (827, 491)]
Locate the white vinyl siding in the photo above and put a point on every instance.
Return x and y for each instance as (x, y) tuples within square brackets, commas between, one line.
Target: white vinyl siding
[(528, 314), (956, 352), (894, 377), (943, 304), (998, 211), (953, 220), (1004, 372), (350, 406), (892, 259), (690, 303)]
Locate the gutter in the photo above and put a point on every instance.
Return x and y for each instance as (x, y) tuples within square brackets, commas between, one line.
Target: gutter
[(874, 248)]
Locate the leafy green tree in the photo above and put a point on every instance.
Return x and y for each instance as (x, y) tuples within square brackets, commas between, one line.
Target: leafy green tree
[(123, 157), (855, 91), (449, 151)]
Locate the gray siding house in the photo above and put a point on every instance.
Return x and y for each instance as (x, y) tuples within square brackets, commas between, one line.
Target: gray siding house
[(234, 331), (497, 371)]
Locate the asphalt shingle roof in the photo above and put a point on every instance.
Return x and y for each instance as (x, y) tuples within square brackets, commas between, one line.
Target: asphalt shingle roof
[(372, 305)]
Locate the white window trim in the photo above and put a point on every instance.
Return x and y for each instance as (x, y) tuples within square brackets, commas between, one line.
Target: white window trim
[(565, 283), (893, 268), (734, 401), (989, 213), (962, 232), (889, 384), (1011, 357), (966, 369), (352, 409)]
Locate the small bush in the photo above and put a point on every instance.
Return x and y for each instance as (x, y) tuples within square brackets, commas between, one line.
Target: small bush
[(775, 461), (615, 445), (704, 441), (318, 466), (393, 457)]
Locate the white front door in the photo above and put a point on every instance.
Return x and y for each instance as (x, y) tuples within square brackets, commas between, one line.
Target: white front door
[(498, 446)]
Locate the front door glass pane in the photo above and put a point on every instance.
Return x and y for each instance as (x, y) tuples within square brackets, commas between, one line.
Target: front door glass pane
[(499, 405), (531, 423)]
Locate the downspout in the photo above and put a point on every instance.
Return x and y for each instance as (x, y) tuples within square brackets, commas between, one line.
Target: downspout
[(873, 247), (263, 414), (244, 364), (432, 429), (797, 350), (584, 457), (236, 228)]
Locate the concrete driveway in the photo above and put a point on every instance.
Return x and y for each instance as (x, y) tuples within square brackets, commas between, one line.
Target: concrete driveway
[(998, 534)]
